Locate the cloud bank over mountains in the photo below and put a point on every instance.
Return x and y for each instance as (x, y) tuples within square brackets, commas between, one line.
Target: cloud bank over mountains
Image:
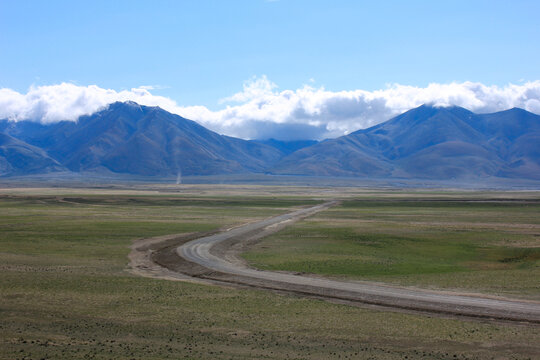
[(263, 111)]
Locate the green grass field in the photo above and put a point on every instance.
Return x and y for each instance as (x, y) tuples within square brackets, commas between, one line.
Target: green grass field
[(65, 293), (491, 247)]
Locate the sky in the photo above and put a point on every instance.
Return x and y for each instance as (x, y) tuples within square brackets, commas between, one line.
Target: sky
[(260, 68)]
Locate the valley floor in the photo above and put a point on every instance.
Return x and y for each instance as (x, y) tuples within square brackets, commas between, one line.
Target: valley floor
[(65, 291), (471, 244)]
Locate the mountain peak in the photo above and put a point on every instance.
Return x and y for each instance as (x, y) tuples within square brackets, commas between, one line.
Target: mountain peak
[(516, 110), (423, 114), (442, 108), (132, 107), (125, 105)]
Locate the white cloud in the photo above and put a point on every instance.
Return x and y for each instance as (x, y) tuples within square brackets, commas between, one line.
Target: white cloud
[(261, 111), (65, 101), (255, 88)]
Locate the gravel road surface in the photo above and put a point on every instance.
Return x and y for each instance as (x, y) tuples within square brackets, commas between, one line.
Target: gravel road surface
[(202, 252)]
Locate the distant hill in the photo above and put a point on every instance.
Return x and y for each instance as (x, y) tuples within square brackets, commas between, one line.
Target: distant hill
[(431, 143), (428, 142), (20, 158), (287, 147)]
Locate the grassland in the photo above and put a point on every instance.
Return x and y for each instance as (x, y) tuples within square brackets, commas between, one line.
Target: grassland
[(65, 292), (473, 246)]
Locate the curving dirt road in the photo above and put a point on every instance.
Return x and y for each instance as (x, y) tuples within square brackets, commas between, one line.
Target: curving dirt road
[(210, 257)]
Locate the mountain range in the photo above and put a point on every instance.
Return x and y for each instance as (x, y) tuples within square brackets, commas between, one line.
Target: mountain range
[(139, 140), (427, 142)]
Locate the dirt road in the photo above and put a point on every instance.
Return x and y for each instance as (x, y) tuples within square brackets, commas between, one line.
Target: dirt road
[(210, 257)]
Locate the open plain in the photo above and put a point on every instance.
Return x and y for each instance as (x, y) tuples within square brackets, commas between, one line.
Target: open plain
[(67, 291), (484, 245)]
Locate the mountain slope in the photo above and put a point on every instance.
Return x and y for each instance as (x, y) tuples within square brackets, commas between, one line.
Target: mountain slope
[(430, 143), (149, 141), (18, 157), (423, 143), (515, 135)]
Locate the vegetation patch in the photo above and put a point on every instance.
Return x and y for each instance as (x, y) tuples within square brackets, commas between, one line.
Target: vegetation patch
[(65, 294), (483, 246)]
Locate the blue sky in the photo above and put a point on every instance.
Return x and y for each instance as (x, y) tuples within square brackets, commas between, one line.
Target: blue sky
[(199, 52)]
